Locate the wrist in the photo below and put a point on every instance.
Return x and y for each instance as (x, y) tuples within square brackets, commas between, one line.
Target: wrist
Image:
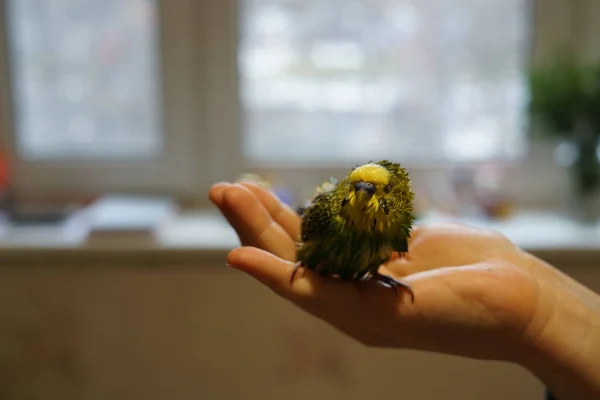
[(562, 344)]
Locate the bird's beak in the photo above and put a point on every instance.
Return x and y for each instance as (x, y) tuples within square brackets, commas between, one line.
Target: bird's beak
[(364, 190)]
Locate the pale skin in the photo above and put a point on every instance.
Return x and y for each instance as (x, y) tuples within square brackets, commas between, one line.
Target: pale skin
[(476, 294)]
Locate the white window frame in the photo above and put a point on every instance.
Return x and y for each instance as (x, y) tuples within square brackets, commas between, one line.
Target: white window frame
[(202, 114)]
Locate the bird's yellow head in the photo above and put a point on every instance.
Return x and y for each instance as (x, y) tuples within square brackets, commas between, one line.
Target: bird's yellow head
[(368, 184)]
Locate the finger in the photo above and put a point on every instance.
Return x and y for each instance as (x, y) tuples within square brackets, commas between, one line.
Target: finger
[(253, 223), (281, 213), (267, 268), (215, 194), (324, 297)]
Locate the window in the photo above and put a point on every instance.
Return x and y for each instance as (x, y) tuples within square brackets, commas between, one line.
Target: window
[(414, 80), (171, 95), (98, 94), (86, 80)]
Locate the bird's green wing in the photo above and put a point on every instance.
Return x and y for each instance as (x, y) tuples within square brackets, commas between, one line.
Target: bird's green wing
[(400, 233), (400, 244), (317, 218)]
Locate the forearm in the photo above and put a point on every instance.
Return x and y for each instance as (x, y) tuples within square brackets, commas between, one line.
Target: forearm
[(570, 376), (565, 353)]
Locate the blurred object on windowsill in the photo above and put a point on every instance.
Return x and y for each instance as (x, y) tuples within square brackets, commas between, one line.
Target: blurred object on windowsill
[(255, 178), (463, 184), (272, 183), (465, 192), (498, 208), (118, 220), (18, 215), (69, 230), (27, 212), (37, 213), (438, 194), (280, 190), (422, 203), (493, 203)]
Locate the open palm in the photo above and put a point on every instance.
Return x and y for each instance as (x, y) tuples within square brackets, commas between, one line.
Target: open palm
[(475, 294)]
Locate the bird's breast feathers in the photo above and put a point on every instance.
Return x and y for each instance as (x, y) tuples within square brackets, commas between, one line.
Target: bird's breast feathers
[(365, 214)]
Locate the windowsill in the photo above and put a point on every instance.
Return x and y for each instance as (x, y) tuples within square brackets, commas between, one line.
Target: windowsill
[(191, 237), (204, 238)]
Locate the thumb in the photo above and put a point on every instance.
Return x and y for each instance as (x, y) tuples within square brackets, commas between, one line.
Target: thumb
[(263, 266), (308, 289)]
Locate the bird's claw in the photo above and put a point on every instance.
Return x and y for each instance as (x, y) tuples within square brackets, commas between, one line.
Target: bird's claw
[(392, 283), (384, 280), (295, 270)]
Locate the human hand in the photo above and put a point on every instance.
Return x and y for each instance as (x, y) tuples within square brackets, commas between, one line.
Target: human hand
[(475, 295)]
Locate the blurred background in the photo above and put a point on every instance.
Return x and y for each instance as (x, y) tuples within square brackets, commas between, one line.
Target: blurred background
[(116, 116)]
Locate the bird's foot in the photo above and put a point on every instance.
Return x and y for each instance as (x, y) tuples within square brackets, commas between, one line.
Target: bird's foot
[(295, 270), (392, 283)]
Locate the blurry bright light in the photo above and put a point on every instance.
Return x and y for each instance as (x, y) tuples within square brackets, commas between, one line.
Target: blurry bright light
[(272, 20), (74, 87), (467, 97), (566, 154), (405, 17), (337, 55), (474, 141), (408, 80), (259, 63)]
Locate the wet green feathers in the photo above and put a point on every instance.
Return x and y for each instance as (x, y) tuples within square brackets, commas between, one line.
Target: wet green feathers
[(352, 226)]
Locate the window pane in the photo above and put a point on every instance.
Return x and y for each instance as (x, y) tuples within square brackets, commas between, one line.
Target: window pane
[(418, 80), (85, 78)]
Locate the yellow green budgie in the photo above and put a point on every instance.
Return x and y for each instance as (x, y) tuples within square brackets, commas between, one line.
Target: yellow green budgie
[(351, 227)]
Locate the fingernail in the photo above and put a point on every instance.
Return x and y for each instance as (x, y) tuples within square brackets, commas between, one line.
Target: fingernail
[(230, 265)]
